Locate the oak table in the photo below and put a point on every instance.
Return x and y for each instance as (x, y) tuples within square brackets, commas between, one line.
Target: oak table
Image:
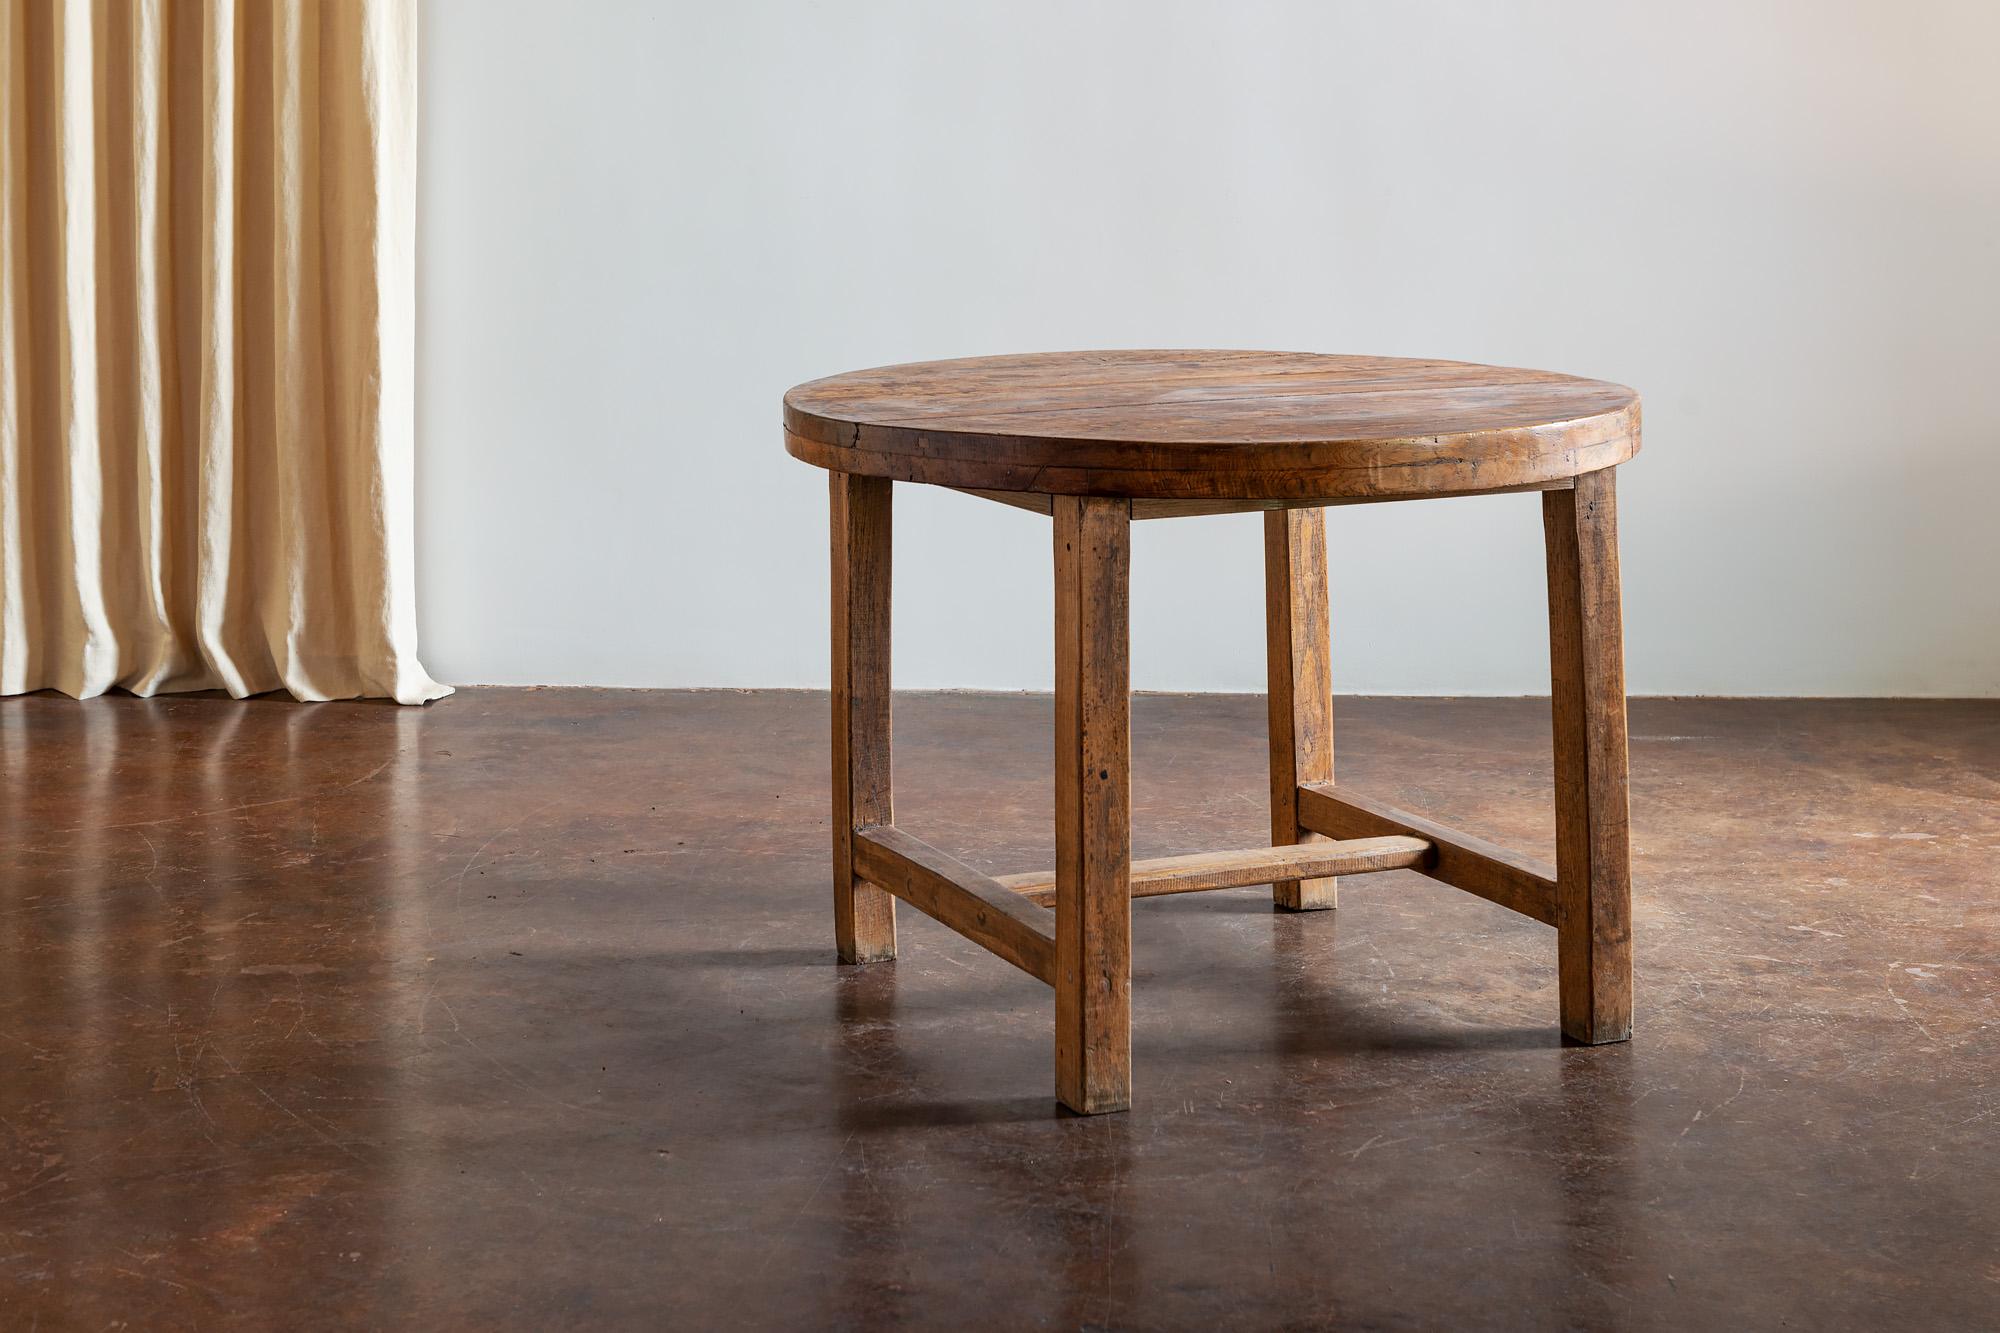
[(1099, 439)]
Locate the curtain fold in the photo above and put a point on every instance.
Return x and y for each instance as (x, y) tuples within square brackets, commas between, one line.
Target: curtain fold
[(207, 347)]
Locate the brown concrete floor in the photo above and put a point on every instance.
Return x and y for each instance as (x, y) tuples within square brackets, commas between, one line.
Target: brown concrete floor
[(520, 1011)]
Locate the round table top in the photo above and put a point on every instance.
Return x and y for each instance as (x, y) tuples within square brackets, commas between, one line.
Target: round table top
[(1213, 425)]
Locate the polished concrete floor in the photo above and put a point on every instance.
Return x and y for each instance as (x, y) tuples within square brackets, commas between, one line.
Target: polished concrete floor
[(520, 1011)]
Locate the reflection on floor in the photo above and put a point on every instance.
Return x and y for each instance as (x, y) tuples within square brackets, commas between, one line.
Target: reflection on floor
[(520, 1010)]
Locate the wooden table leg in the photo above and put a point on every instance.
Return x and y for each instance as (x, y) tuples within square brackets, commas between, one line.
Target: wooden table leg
[(1298, 657), (1093, 548), (1593, 830), (864, 916)]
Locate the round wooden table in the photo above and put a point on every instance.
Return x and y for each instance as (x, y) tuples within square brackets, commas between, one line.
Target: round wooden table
[(1098, 439)]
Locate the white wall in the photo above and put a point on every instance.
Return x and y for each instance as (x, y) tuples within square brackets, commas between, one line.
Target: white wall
[(642, 220)]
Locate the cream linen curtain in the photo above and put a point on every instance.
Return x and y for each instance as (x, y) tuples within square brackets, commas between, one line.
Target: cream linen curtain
[(207, 324)]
